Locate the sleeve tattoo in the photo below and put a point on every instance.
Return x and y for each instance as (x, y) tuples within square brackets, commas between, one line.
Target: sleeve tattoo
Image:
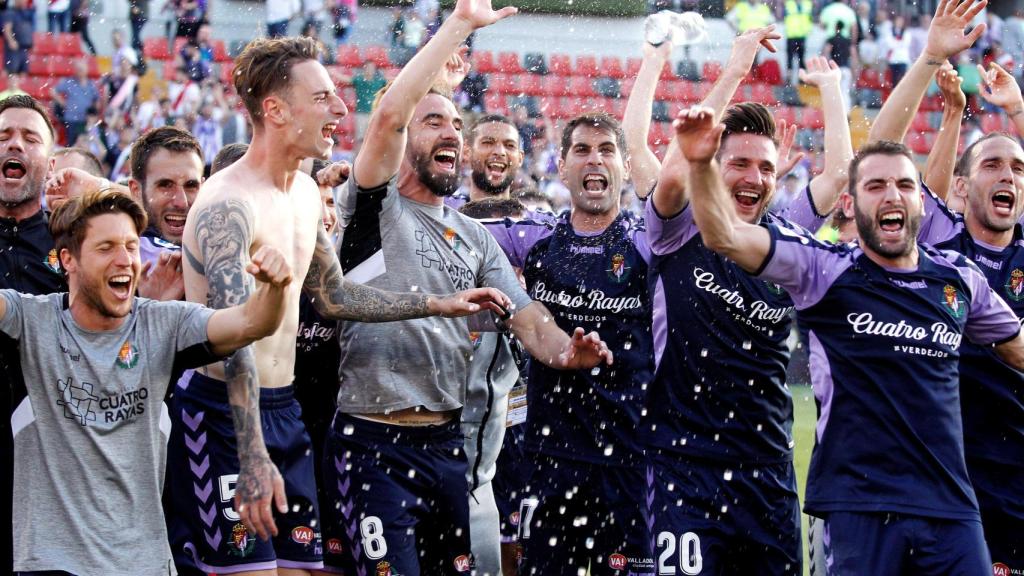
[(224, 234), (336, 298)]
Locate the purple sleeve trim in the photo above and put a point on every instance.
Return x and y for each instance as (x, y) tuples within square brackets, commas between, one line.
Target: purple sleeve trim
[(939, 223), (803, 212), (990, 319), (803, 265), (516, 238), (666, 235)]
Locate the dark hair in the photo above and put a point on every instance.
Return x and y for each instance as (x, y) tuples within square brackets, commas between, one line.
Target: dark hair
[(227, 156), (963, 164), (879, 148), (531, 193), (264, 68), (162, 138), (600, 121), (92, 163), (490, 119), (749, 118), (318, 165), (70, 221), (26, 101), (493, 208)]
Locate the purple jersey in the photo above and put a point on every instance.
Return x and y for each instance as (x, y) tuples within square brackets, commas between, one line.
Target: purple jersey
[(885, 350), (597, 282)]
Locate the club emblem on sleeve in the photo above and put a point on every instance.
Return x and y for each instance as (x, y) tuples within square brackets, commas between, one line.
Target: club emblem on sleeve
[(52, 262), (1014, 286), (128, 356), (953, 302), (619, 271)]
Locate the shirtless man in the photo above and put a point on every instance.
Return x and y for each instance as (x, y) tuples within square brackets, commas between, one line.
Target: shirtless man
[(263, 200)]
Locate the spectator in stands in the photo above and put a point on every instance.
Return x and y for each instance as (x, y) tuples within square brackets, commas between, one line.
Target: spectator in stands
[(121, 87), (838, 11), (918, 34), (279, 15), (149, 112), (414, 35), (234, 125), (189, 15), (118, 153), (839, 49), (18, 22), (748, 14), (77, 96), (527, 128), (121, 51), (897, 49), (184, 94), (343, 18), (865, 25), (204, 39), (138, 14), (397, 29), (366, 86), (474, 86), (312, 30), (798, 23), (80, 12), (209, 133), (313, 13), (13, 86), (192, 61), (58, 16)]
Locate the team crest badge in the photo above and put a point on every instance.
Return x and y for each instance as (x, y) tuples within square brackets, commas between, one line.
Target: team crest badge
[(128, 356), (619, 271), (384, 568), (774, 288), (242, 543), (952, 301), (474, 339), (452, 238), (52, 262), (1015, 285)]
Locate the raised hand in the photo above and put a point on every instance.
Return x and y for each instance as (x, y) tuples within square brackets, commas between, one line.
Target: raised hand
[(456, 68), (470, 302), (479, 13), (820, 71), (697, 134), (946, 37), (334, 175), (1000, 88), (746, 45), (269, 265), (787, 159), (585, 351), (164, 280), (67, 183), (949, 86), (661, 52)]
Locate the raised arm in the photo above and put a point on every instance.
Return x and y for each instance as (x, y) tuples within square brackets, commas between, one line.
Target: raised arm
[(224, 234), (534, 327), (336, 298), (699, 137), (946, 39), (826, 187), (636, 121), (1003, 91), (384, 146), (938, 171)]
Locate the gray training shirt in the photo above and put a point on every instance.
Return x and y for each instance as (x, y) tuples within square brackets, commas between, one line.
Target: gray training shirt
[(90, 437), (393, 243)]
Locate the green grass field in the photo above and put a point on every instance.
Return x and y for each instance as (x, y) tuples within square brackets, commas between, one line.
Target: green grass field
[(805, 416)]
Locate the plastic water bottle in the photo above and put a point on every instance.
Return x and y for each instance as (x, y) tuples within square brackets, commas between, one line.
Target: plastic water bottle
[(680, 29)]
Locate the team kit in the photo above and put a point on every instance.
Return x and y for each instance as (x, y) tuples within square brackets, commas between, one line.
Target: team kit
[(396, 367)]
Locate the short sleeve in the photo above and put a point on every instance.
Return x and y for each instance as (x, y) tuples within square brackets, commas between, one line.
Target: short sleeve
[(497, 272), (516, 238), (803, 212), (990, 319), (801, 264), (666, 235), (11, 322), (939, 223)]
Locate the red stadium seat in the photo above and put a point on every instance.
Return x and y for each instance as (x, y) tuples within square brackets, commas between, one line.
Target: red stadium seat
[(616, 107), (626, 87), (581, 86), (660, 133), (39, 65), (611, 66), (770, 72), (378, 55), (155, 49), (920, 123), (94, 68), (920, 142), (560, 64), (531, 84), (763, 94), (556, 86), (45, 43), (786, 114), (483, 61), (499, 84), (495, 103), (508, 62), (633, 67), (871, 79), (712, 71), (227, 73), (62, 66), (812, 118), (179, 45), (992, 122), (670, 91), (348, 55), (38, 87), (587, 66), (220, 52)]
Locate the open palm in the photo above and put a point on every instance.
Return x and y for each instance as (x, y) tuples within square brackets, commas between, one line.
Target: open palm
[(946, 37), (697, 134), (479, 13)]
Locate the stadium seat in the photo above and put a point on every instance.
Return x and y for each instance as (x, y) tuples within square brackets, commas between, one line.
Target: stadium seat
[(534, 63), (611, 67), (786, 114), (38, 87), (508, 62), (660, 134), (763, 94), (586, 66), (556, 85), (94, 68), (531, 84), (39, 65), (483, 61), (495, 103), (62, 66), (812, 118), (155, 49), (670, 91), (581, 86), (179, 45), (920, 142), (560, 64), (712, 71), (770, 72), (348, 55), (378, 55), (633, 67), (45, 43), (992, 122), (616, 107), (921, 123), (220, 52)]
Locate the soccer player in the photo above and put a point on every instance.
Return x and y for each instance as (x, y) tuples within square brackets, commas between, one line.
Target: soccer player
[(886, 320), (494, 156), (217, 440), (989, 183), (719, 417), (397, 429), (89, 428)]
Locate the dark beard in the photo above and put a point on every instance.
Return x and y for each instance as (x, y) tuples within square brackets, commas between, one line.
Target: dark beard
[(440, 185), (869, 236), (480, 181)]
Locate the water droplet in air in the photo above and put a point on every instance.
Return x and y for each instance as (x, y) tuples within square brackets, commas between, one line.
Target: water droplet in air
[(728, 477), (348, 429)]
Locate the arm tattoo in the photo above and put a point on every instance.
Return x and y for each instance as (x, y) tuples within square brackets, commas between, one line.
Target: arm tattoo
[(336, 298), (224, 235)]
